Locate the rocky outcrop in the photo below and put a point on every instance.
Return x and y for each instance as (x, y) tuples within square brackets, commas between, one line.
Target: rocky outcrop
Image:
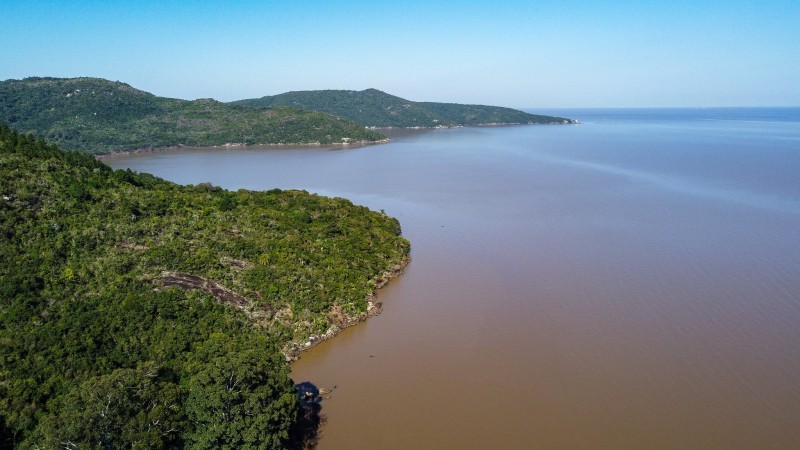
[(339, 319), (188, 281)]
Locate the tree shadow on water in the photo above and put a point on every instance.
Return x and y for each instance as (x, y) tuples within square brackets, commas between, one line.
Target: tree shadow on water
[(305, 432)]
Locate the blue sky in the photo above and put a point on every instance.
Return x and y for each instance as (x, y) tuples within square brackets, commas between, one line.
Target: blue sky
[(513, 53)]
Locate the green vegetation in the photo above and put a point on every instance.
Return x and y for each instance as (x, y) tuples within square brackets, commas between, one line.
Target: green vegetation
[(135, 312), (99, 116), (374, 108)]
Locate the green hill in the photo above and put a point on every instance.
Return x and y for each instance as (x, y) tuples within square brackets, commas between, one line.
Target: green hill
[(137, 313), (98, 116), (374, 108)]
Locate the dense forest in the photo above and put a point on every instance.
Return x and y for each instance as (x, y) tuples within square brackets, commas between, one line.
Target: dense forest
[(374, 108), (137, 313), (99, 116)]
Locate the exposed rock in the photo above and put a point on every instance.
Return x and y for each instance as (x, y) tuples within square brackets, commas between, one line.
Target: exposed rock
[(188, 281), (339, 319)]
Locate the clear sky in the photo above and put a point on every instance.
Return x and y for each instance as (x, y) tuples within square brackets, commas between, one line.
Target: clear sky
[(512, 53)]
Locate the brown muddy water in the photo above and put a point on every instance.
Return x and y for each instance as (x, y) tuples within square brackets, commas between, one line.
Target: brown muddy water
[(630, 282)]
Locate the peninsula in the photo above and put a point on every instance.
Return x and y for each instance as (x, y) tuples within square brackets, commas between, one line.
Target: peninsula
[(94, 115), (98, 116), (374, 108), (138, 313)]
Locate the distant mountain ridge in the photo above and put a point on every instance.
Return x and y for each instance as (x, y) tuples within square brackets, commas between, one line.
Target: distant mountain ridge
[(374, 108), (94, 115)]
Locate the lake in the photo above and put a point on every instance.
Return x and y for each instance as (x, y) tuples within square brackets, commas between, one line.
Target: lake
[(629, 282)]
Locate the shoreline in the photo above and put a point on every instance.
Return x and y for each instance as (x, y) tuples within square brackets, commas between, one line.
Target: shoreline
[(480, 125), (238, 145), (299, 145), (340, 321)]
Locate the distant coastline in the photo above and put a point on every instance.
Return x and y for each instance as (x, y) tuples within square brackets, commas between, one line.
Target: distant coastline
[(478, 125), (374, 108), (238, 145)]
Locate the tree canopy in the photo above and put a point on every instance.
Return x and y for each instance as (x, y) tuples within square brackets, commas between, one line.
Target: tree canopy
[(135, 312), (374, 108), (93, 115)]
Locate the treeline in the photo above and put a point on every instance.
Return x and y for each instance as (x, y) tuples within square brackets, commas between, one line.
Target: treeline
[(93, 115), (97, 351), (374, 108), (99, 116)]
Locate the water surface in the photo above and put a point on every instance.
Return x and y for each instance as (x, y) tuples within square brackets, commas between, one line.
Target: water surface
[(633, 281)]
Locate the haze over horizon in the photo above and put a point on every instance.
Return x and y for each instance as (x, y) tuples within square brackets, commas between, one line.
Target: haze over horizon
[(517, 54)]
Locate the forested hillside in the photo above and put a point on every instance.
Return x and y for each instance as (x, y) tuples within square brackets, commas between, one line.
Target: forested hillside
[(374, 108), (98, 116), (137, 313)]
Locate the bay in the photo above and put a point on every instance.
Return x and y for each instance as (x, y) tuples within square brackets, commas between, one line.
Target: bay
[(632, 281)]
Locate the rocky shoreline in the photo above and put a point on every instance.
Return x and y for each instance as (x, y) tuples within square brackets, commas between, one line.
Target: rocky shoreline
[(339, 320)]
